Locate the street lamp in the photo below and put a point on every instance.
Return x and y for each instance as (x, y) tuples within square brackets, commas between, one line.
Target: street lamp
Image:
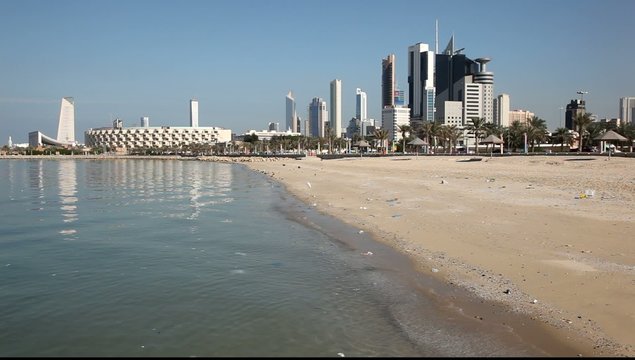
[(562, 109), (582, 92)]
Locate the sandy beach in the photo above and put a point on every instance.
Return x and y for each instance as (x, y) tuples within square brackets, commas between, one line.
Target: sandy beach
[(547, 236)]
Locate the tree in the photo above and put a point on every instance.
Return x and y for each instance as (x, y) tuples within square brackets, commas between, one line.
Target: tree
[(581, 121), (477, 127), (382, 135), (405, 128), (628, 131), (561, 135), (536, 131)]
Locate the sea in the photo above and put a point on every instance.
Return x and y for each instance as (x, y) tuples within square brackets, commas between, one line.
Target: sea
[(153, 257)]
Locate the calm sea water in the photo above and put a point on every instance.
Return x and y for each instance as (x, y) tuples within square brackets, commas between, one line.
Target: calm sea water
[(190, 258)]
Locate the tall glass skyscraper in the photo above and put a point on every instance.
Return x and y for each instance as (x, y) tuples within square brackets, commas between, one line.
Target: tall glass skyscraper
[(318, 116), (388, 82), (421, 83), (627, 110)]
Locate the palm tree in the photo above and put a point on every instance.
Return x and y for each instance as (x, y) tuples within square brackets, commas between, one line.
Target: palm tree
[(381, 135), (405, 128), (581, 121), (628, 131), (477, 127), (454, 133), (561, 135), (536, 131)]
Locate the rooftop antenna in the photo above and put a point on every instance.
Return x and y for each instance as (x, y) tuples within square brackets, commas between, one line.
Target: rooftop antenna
[(436, 36)]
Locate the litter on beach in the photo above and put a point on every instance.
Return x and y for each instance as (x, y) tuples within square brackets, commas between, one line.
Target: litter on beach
[(367, 253), (308, 184)]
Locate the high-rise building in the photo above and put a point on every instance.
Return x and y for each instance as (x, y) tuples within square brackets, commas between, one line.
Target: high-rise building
[(318, 116), (627, 110), (360, 105), (421, 83), (273, 126), (291, 115), (145, 121), (486, 79), (473, 103), (392, 118), (66, 123), (501, 110), (193, 113), (576, 106), (388, 81), (521, 116), (399, 98), (335, 121)]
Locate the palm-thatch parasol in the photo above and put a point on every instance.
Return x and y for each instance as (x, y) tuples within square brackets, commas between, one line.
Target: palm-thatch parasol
[(610, 136), (361, 144), (417, 142), (492, 139)]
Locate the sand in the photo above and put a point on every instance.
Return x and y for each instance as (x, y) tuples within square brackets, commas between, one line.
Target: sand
[(548, 236)]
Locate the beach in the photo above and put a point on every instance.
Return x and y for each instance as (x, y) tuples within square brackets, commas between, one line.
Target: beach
[(550, 237)]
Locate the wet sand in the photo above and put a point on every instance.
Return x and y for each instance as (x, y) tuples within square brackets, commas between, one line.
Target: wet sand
[(539, 245)]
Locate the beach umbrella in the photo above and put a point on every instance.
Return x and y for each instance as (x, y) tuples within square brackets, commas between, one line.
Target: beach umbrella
[(361, 144), (611, 136), (417, 142), (492, 139)]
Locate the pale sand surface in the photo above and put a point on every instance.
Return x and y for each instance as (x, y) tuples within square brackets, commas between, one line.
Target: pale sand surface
[(509, 229)]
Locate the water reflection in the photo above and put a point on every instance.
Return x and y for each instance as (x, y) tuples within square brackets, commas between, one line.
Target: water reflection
[(67, 182)]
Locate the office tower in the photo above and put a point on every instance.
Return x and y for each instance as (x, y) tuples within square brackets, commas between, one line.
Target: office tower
[(473, 104), (421, 83), (486, 79), (354, 127), (335, 121), (399, 98), (145, 121), (291, 115), (318, 116), (392, 118), (627, 110), (194, 113), (501, 110), (576, 106), (117, 123), (452, 71), (360, 104), (66, 123), (273, 126), (10, 143), (388, 81), (521, 116)]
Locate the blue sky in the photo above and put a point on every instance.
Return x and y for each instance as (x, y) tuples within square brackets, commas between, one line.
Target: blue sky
[(239, 58)]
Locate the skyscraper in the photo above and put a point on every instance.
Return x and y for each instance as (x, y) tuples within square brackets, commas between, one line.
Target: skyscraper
[(318, 116), (501, 110), (335, 121), (194, 113), (145, 121), (291, 115), (360, 105), (388, 82), (576, 106), (66, 124), (486, 79), (627, 110), (421, 83)]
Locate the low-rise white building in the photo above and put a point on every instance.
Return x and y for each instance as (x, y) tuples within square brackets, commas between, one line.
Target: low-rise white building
[(392, 118), (164, 136)]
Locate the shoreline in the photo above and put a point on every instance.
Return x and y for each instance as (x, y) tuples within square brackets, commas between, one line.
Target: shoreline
[(544, 275), (507, 230)]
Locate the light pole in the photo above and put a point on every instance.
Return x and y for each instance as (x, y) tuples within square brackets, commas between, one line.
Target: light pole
[(561, 111), (582, 92)]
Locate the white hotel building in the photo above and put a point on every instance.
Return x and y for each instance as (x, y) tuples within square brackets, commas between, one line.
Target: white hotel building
[(164, 136)]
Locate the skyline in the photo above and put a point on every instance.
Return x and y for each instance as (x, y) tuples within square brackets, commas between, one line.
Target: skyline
[(240, 58)]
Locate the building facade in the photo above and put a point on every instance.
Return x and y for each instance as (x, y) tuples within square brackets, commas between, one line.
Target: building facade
[(361, 105), (318, 117), (291, 115), (145, 121), (521, 116), (421, 83), (575, 107), (335, 120), (66, 123), (392, 118), (193, 113), (501, 110), (157, 137), (486, 80), (627, 110), (388, 81)]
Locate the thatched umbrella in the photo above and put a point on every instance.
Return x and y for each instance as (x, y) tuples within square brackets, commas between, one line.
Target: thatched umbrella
[(609, 136), (417, 142), (361, 144), (492, 139)]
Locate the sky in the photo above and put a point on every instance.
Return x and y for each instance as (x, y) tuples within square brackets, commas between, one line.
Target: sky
[(240, 58)]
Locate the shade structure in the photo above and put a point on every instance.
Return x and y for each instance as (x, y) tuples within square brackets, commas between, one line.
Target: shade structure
[(417, 142), (362, 143), (611, 136), (492, 139)]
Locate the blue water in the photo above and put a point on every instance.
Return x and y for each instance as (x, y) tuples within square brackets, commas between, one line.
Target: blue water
[(189, 258), (172, 258)]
